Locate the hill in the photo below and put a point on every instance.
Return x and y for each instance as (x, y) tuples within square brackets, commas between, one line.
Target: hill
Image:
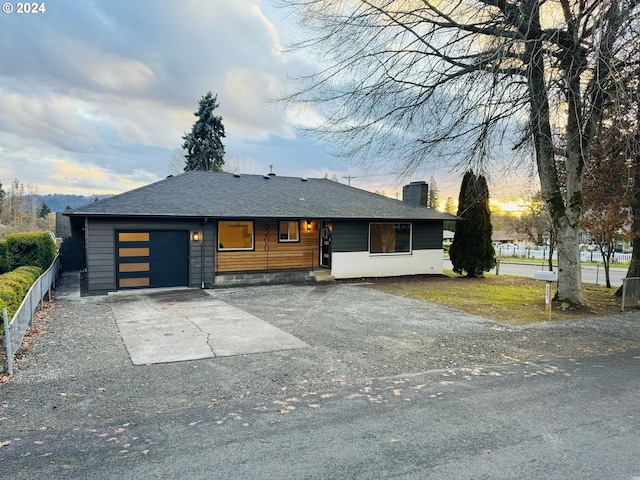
[(58, 202)]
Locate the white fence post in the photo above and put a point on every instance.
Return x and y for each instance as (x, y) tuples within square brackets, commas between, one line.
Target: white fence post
[(7, 341)]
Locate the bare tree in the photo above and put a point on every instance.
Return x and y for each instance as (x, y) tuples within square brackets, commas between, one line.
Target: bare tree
[(608, 193), (634, 267), (458, 81), (177, 161)]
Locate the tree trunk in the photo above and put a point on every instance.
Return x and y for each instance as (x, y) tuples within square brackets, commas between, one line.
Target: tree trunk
[(565, 218), (634, 267), (552, 243), (606, 261), (569, 271)]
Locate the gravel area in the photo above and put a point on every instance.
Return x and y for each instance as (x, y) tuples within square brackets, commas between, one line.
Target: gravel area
[(78, 368)]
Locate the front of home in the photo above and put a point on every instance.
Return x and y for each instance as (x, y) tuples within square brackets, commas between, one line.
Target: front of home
[(206, 229)]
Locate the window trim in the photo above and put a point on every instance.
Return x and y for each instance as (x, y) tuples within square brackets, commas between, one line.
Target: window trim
[(237, 249), (377, 254), (288, 240)]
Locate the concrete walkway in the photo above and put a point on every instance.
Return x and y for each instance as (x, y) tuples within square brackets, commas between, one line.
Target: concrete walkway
[(172, 325)]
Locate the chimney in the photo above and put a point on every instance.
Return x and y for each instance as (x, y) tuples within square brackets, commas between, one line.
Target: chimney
[(415, 193)]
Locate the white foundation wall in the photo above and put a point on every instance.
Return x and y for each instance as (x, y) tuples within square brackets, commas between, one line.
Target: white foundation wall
[(363, 264)]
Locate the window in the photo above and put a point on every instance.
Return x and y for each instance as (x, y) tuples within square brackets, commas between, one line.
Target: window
[(288, 231), (390, 238), (235, 235)]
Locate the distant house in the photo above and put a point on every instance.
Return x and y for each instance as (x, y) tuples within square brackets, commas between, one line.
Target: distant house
[(447, 237), (503, 236), (206, 229)]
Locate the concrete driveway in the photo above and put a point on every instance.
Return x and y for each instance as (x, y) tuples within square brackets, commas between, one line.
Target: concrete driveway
[(172, 325)]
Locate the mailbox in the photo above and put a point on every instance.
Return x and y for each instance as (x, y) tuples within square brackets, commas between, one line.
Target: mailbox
[(546, 276)]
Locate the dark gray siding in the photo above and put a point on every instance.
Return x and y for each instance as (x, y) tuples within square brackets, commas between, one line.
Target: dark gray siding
[(427, 235), (350, 236), (353, 236), (200, 250), (100, 257), (101, 253)]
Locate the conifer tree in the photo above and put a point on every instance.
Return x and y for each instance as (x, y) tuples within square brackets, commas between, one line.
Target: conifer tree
[(2, 195), (44, 210), (471, 250), (203, 145)]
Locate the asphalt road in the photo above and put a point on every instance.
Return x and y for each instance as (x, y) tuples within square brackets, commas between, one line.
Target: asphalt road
[(551, 420), (590, 274), (389, 387)]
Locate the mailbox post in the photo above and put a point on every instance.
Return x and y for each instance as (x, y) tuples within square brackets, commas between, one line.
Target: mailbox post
[(547, 277)]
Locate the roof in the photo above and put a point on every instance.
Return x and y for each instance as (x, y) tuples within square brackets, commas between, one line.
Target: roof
[(227, 195)]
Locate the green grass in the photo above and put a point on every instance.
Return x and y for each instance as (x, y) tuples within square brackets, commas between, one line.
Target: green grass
[(503, 298)]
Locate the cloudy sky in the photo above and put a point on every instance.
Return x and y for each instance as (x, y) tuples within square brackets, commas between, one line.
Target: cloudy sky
[(96, 95)]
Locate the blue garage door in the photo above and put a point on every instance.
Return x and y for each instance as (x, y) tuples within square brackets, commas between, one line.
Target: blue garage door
[(154, 258)]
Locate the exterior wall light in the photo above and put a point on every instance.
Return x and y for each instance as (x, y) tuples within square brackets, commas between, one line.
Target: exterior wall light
[(308, 224), (195, 236)]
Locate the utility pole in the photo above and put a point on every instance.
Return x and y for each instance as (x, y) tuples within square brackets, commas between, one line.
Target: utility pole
[(349, 177)]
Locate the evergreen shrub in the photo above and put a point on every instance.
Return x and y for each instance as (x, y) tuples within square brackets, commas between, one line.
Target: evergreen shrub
[(3, 257), (21, 278), (14, 286), (30, 249)]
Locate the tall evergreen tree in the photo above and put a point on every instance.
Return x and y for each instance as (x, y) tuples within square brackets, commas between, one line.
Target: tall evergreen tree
[(471, 250), (433, 195), (2, 195), (449, 206), (203, 145), (44, 210)]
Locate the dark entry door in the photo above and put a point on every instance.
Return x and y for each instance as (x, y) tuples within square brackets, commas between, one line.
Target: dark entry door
[(152, 258), (325, 243)]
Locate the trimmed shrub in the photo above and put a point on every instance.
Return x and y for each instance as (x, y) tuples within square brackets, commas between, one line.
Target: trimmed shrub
[(14, 286), (30, 249), (30, 271), (8, 296), (3, 257)]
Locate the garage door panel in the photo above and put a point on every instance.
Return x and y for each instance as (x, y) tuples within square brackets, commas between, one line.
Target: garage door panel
[(169, 258), (152, 258)]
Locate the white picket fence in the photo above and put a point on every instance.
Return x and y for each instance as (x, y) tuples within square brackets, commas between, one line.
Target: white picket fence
[(15, 329), (543, 254)]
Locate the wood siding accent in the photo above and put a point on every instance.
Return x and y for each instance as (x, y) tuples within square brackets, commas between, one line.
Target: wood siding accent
[(269, 254), (133, 252), (133, 267), (133, 236), (133, 282)]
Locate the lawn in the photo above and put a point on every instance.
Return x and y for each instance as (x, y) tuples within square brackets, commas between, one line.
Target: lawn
[(503, 298)]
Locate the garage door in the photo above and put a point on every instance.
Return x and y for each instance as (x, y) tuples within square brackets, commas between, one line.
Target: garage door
[(152, 258)]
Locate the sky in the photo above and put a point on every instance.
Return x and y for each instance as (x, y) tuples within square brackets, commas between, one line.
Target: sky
[(96, 95)]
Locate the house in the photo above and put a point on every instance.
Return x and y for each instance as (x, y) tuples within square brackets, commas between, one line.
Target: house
[(447, 237), (206, 229)]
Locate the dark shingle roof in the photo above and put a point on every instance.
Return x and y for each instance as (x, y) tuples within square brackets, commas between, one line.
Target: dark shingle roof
[(220, 195)]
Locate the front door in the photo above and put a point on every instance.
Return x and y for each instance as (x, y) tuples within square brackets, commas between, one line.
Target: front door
[(325, 243)]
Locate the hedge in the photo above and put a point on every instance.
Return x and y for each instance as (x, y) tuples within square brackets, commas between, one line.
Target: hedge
[(3, 257), (14, 286), (30, 249)]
